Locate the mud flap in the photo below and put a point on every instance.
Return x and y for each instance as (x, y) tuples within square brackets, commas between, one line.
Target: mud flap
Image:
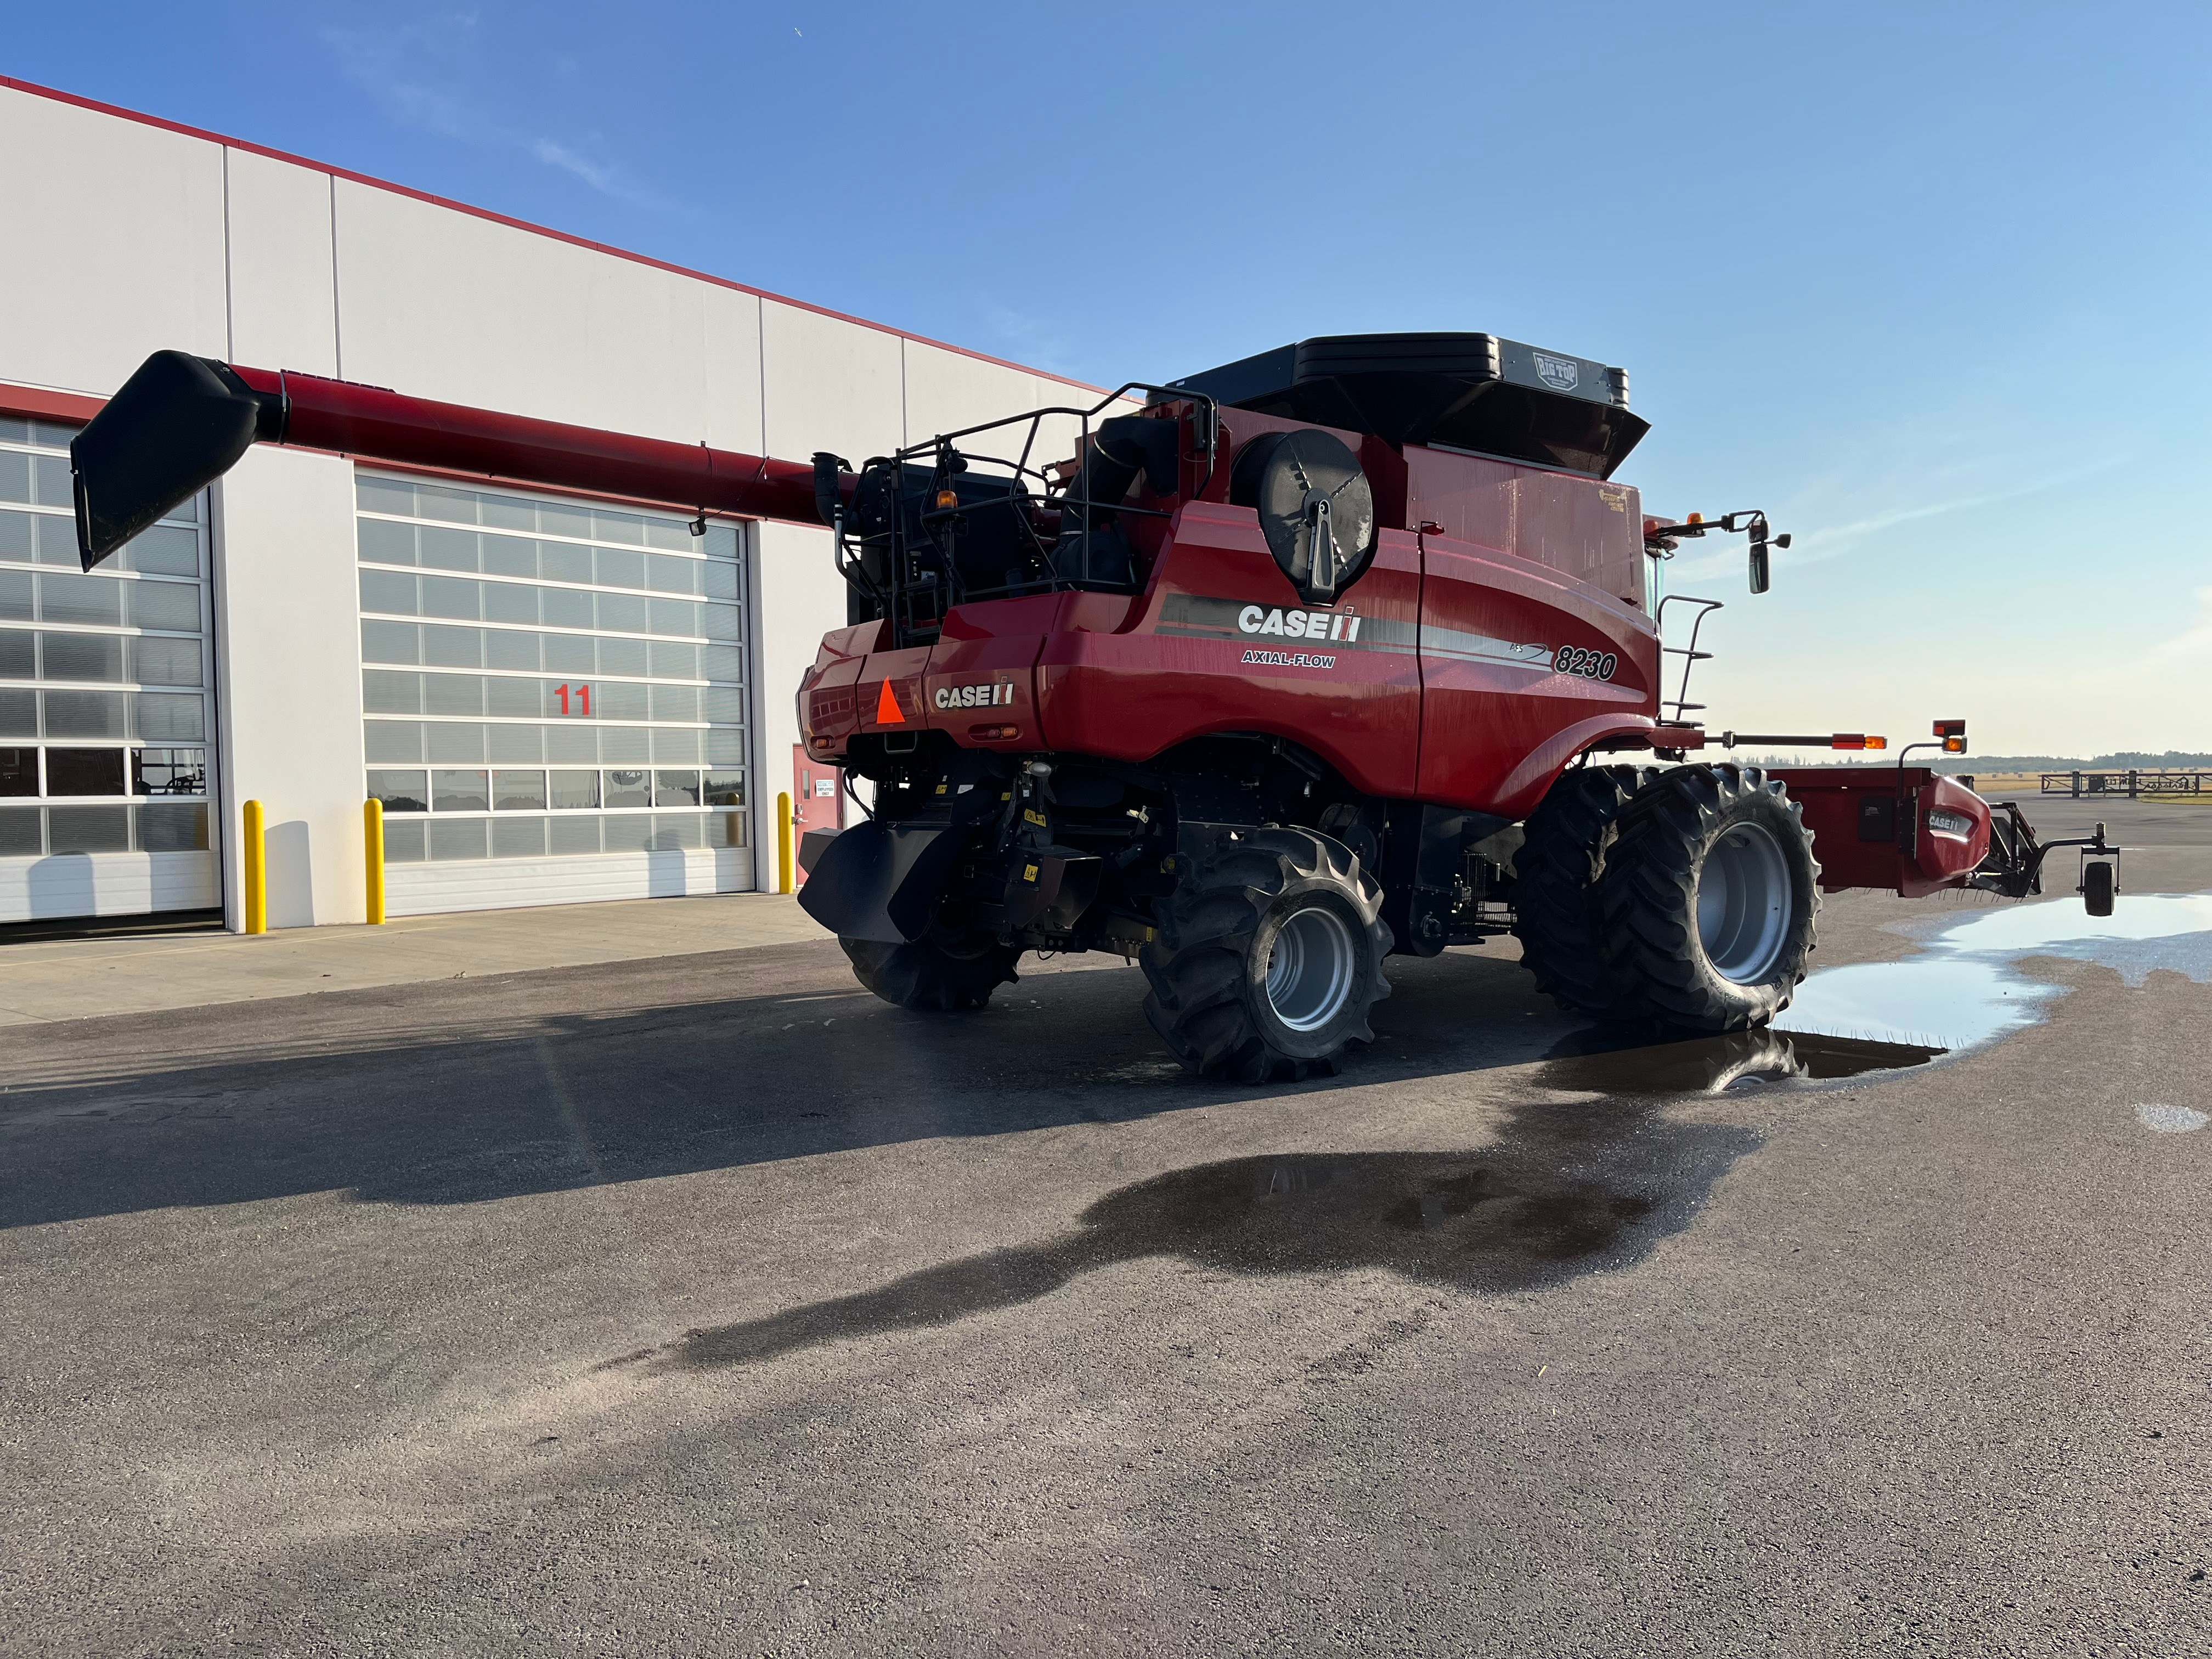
[(881, 882), (812, 845)]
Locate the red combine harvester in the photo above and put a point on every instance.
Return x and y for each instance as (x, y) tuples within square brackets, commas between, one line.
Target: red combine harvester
[(1316, 657)]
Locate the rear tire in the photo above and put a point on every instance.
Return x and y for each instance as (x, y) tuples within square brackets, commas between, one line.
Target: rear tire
[(1269, 958), (940, 975), (1707, 906), (1555, 875)]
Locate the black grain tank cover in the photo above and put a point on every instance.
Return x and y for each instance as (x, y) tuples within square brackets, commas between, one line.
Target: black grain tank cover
[(1474, 392)]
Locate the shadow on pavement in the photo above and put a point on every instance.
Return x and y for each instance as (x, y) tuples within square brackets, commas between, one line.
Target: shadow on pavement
[(463, 1091), (1567, 1186), (469, 1091)]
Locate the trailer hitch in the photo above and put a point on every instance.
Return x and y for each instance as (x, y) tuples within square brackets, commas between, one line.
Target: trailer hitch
[(2014, 865)]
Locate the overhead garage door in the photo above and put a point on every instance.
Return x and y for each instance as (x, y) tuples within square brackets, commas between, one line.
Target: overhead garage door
[(105, 712), (553, 697)]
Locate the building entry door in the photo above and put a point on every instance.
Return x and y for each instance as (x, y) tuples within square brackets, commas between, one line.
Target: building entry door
[(816, 801)]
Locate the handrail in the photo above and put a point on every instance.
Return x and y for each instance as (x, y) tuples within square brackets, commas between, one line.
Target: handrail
[(1692, 655)]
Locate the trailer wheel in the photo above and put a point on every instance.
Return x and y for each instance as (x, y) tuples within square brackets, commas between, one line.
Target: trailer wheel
[(1555, 880), (1269, 959), (2097, 888), (933, 972), (1707, 904)]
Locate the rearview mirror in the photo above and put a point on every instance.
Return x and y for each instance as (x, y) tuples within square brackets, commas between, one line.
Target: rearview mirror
[(1762, 571)]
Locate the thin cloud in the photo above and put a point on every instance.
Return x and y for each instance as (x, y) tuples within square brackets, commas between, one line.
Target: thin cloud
[(560, 156), (1031, 340), (1823, 543), (2193, 644), (414, 72)]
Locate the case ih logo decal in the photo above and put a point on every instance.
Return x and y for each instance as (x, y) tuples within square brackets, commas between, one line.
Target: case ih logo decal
[(1560, 373), (1201, 616), (975, 696), (1204, 616), (1299, 625)]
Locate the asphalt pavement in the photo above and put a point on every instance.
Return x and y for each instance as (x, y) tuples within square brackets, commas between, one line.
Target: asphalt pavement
[(703, 1304)]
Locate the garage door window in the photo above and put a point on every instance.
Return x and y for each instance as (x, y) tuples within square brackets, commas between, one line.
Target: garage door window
[(104, 676), (543, 677)]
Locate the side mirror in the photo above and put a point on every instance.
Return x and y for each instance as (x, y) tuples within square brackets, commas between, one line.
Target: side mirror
[(1762, 569)]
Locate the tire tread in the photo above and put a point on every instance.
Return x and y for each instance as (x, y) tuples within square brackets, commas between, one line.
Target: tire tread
[(1197, 968)]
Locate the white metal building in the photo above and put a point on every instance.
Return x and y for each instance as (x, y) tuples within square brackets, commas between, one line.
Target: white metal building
[(556, 698)]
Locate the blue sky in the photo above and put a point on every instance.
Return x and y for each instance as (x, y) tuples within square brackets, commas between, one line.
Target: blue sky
[(1928, 282)]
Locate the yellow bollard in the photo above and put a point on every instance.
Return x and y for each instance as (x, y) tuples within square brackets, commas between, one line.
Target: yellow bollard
[(783, 883), (371, 822), (256, 870)]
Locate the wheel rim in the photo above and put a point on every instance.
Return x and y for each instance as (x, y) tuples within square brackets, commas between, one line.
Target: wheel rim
[(1311, 968), (1743, 904)]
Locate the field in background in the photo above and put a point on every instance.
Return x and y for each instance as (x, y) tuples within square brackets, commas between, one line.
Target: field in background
[(1995, 786)]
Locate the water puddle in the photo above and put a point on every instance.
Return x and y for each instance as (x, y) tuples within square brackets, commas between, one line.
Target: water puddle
[(1964, 988), (2172, 1120)]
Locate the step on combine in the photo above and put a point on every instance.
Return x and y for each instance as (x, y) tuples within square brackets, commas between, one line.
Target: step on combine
[(1346, 651)]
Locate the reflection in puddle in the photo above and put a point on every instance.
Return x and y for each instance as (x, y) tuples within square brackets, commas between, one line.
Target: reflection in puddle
[(1965, 987), (1710, 1065)]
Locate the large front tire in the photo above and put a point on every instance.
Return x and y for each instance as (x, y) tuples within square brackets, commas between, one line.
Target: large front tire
[(933, 974), (1555, 875), (1707, 906), (1270, 959)]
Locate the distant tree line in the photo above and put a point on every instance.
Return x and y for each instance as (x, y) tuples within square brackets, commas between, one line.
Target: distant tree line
[(2136, 760)]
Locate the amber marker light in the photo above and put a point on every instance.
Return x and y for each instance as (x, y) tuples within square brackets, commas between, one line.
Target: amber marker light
[(994, 733), (946, 498), (1877, 743)]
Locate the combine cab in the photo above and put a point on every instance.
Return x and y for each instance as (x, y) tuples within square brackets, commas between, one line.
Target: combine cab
[(1344, 651)]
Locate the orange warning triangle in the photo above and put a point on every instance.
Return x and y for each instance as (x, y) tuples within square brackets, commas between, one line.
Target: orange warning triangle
[(887, 709)]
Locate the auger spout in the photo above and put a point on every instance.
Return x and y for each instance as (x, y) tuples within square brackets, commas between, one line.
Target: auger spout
[(182, 422)]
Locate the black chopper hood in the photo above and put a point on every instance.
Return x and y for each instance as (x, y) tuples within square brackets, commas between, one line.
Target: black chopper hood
[(1467, 392)]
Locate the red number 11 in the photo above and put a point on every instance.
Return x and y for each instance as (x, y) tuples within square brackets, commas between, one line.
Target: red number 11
[(583, 700)]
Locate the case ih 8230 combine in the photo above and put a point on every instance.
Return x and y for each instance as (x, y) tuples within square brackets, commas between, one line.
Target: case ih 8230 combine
[(1319, 657)]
